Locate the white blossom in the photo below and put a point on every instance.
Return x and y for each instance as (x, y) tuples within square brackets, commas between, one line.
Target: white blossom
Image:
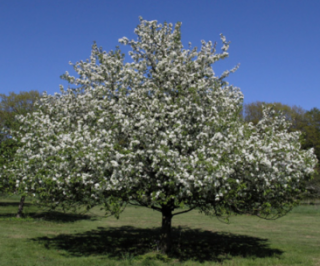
[(162, 128)]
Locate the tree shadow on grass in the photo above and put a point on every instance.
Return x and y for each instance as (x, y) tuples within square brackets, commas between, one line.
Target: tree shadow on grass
[(189, 244), (51, 216)]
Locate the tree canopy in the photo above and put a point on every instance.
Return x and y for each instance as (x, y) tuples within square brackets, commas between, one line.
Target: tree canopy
[(307, 122), (162, 132)]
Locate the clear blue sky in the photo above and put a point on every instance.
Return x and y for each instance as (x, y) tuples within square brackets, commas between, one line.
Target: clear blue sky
[(277, 42)]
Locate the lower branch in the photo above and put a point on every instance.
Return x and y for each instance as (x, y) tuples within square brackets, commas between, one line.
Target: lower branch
[(177, 213)]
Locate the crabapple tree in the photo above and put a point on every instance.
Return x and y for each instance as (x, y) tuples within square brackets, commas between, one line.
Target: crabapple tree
[(161, 131)]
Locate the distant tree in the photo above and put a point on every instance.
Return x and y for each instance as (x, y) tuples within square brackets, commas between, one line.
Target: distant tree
[(312, 140), (161, 132), (312, 130), (253, 112), (11, 106), (308, 122), (8, 148), (15, 104)]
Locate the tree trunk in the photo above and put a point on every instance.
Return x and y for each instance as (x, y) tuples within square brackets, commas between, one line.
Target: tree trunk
[(21, 204), (165, 239)]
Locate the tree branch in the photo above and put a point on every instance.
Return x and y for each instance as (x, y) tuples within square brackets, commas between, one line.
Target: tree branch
[(177, 213), (143, 205)]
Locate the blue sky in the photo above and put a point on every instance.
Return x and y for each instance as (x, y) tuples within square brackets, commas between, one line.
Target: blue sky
[(276, 42)]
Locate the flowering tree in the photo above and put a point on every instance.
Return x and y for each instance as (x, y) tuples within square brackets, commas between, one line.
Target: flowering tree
[(162, 132)]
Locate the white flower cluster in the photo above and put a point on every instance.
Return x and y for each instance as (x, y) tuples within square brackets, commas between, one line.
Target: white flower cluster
[(161, 129)]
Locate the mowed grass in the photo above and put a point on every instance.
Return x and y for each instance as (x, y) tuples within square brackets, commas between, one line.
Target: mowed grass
[(56, 238)]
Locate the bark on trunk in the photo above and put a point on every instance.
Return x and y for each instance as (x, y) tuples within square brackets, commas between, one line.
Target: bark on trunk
[(21, 204), (165, 239)]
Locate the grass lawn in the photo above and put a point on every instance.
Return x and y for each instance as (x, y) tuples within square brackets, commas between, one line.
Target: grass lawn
[(48, 238)]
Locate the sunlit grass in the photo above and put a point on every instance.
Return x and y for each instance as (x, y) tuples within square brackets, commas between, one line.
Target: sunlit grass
[(53, 238)]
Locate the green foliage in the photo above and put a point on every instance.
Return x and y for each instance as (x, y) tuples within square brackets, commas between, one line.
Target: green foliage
[(295, 114), (15, 104), (8, 148), (312, 130)]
